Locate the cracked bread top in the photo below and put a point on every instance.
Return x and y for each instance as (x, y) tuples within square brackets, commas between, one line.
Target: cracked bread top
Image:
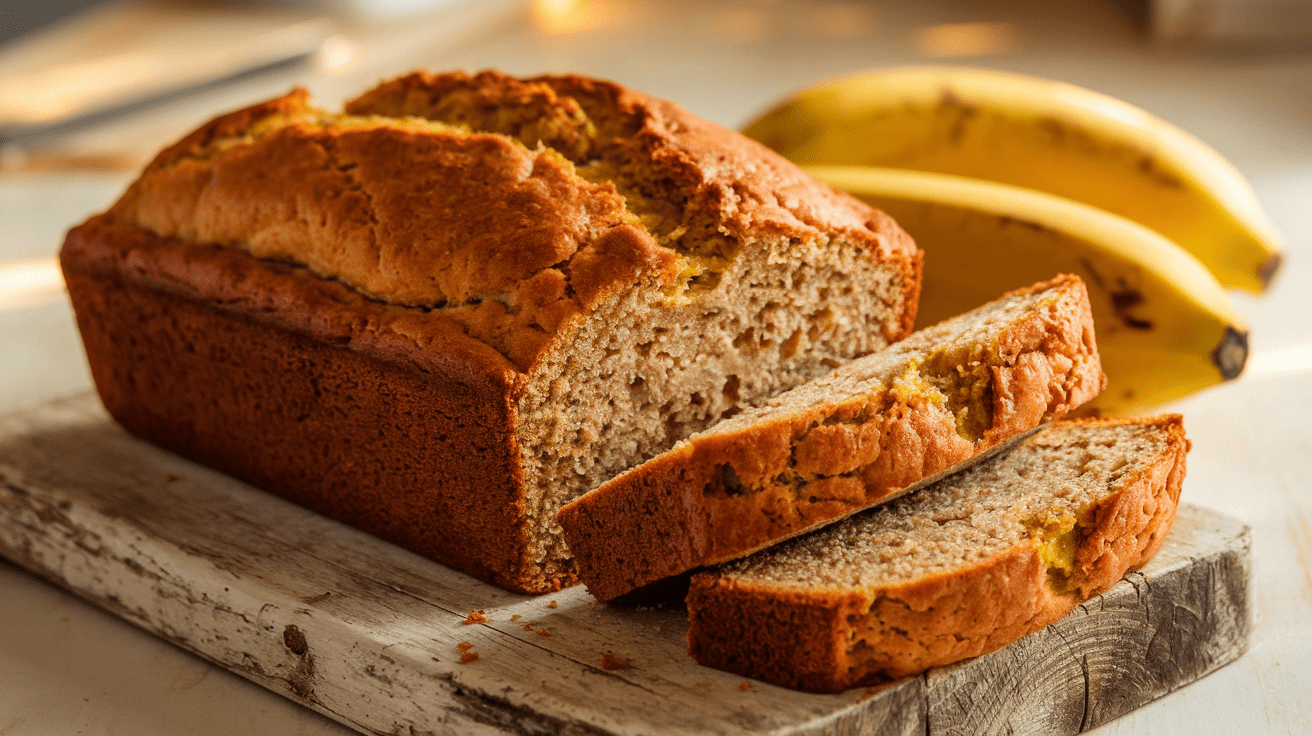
[(508, 206)]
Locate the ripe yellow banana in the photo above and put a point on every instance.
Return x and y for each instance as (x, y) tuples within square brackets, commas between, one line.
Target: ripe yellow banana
[(1041, 134), (1165, 327)]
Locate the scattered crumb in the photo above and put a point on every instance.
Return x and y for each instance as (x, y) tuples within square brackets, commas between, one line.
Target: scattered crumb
[(515, 618), (467, 653), (474, 617), (542, 632), (744, 686), (613, 662), (551, 604), (170, 478), (528, 627)]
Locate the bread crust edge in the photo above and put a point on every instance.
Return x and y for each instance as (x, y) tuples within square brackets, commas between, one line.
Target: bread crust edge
[(830, 641)]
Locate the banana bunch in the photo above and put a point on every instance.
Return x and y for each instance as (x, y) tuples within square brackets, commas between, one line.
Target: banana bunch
[(1005, 180), (1040, 134)]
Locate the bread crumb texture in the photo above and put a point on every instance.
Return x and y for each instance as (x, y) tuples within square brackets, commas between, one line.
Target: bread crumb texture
[(958, 569)]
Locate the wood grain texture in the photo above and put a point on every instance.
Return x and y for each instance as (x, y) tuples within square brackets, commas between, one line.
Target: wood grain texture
[(368, 634)]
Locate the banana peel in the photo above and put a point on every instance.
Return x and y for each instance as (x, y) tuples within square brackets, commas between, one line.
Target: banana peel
[(1165, 326)]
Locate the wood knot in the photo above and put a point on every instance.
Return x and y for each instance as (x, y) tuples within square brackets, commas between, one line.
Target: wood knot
[(295, 640)]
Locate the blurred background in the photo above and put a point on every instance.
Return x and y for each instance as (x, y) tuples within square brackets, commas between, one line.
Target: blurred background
[(89, 91)]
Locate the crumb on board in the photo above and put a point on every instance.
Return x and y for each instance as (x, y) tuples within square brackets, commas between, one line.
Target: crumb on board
[(542, 632), (744, 686), (515, 618), (474, 617), (610, 662), (528, 627), (467, 653), (551, 604)]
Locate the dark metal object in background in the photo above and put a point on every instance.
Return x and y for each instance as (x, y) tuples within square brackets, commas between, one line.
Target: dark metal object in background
[(112, 58), (20, 17)]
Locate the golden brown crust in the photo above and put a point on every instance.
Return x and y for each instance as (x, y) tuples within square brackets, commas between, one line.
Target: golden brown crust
[(289, 297), (507, 240), (831, 640), (295, 384), (724, 495)]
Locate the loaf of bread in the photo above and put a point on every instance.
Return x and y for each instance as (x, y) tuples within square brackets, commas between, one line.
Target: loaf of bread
[(448, 311), (956, 570), (854, 438)]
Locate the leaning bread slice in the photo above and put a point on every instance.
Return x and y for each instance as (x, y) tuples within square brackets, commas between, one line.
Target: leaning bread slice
[(959, 569), (857, 437)]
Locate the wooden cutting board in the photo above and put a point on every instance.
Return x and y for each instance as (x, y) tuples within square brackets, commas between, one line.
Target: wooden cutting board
[(377, 639)]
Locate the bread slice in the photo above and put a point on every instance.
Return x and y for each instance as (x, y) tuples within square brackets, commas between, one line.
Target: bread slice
[(856, 437), (466, 300), (956, 570)]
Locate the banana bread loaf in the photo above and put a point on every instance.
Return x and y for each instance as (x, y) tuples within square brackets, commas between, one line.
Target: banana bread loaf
[(856, 437), (956, 570), (446, 312)]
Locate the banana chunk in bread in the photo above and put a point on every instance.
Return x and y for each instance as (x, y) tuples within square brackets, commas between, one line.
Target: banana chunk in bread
[(464, 301), (959, 569), (854, 438)]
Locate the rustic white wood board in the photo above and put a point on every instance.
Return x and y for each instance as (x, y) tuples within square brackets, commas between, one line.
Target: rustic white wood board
[(369, 635)]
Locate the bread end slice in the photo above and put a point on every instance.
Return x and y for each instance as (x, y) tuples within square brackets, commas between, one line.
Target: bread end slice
[(958, 570)]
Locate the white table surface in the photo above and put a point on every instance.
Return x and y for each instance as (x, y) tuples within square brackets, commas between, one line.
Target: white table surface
[(66, 668)]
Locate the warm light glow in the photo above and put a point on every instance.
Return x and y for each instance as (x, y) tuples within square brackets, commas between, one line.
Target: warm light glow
[(335, 55), (28, 283), (1284, 360), (63, 89), (567, 16), (966, 39)]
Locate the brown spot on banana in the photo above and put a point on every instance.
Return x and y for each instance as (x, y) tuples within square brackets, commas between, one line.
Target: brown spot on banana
[(950, 104), (1153, 170), (1123, 300), (1269, 269), (1231, 353)]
